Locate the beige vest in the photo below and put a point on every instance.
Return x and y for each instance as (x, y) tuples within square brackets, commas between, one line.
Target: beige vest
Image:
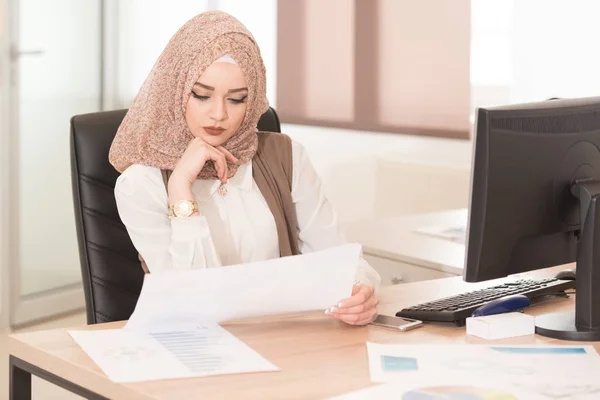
[(272, 172)]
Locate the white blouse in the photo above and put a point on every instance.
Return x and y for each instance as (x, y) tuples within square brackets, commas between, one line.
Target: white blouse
[(234, 228)]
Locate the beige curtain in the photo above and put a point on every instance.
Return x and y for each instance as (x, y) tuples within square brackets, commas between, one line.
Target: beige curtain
[(378, 65)]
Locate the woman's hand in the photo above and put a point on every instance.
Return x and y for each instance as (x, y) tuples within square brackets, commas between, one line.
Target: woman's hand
[(197, 153), (359, 309)]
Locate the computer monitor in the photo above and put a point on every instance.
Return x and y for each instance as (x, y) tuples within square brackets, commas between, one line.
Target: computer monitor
[(535, 188)]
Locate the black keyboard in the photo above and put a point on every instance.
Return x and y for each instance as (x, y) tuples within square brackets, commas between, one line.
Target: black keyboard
[(457, 308)]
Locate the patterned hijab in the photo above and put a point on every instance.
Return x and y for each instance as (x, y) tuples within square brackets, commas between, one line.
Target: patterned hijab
[(154, 131)]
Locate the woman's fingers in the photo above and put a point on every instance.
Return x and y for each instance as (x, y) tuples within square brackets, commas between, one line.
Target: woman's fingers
[(228, 156), (218, 159), (361, 294), (357, 319), (360, 308)]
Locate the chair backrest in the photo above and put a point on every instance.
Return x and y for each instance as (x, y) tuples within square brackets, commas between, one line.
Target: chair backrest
[(110, 268)]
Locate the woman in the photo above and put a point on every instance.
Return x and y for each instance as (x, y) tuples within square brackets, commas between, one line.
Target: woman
[(233, 195)]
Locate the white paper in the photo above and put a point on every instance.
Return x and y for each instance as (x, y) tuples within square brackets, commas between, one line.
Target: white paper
[(132, 357), (456, 233), (532, 364), (461, 387), (182, 299)]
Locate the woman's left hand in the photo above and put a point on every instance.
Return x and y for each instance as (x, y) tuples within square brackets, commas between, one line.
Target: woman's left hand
[(359, 309)]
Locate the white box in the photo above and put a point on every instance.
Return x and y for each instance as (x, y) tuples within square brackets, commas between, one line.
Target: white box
[(500, 326)]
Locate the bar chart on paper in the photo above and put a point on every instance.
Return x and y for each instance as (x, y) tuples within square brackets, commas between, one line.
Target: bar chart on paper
[(206, 350), (193, 350), (133, 357)]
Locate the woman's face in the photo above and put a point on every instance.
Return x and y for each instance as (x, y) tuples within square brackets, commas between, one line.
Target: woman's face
[(217, 105)]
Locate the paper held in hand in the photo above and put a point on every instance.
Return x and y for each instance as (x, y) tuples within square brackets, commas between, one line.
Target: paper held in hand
[(184, 299)]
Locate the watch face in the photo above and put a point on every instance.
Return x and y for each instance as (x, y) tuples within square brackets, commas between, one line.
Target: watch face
[(183, 208)]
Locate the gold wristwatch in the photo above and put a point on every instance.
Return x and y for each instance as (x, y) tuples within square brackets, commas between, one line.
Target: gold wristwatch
[(183, 208)]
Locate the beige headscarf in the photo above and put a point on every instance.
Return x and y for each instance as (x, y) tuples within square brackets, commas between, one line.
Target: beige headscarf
[(154, 131)]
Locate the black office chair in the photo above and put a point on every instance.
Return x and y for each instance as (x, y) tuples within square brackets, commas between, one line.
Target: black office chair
[(110, 268)]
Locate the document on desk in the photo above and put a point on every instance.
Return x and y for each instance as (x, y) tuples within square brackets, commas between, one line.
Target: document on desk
[(182, 299), (516, 363), (174, 331), (464, 387), (133, 357)]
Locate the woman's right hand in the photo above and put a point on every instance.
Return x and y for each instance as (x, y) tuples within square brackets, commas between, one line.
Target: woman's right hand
[(197, 153)]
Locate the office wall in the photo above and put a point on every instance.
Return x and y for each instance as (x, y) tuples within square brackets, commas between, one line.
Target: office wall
[(372, 175), (525, 51), (556, 56), (379, 65)]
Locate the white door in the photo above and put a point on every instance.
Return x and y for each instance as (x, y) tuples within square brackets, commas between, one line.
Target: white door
[(55, 67)]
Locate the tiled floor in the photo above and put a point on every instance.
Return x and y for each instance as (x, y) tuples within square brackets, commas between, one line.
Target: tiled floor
[(41, 389)]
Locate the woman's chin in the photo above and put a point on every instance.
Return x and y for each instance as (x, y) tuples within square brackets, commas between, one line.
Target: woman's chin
[(212, 140)]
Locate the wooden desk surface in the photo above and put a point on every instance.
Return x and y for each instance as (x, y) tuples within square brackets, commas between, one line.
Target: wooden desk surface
[(318, 357)]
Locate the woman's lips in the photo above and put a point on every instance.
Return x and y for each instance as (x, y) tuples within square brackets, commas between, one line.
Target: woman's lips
[(213, 131)]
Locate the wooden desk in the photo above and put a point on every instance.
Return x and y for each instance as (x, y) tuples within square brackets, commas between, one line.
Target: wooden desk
[(319, 357)]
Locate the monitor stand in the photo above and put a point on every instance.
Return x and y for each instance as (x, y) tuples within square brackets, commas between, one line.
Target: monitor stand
[(584, 323)]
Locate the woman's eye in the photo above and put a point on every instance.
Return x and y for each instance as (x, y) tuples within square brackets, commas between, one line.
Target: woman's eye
[(199, 97), (239, 101)]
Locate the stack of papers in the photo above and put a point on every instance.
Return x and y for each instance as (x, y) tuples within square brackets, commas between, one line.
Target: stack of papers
[(174, 331)]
